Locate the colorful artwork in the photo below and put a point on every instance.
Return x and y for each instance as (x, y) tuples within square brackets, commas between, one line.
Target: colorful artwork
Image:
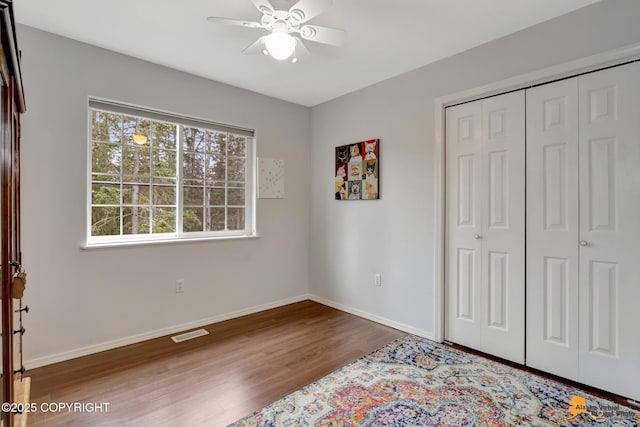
[(357, 171)]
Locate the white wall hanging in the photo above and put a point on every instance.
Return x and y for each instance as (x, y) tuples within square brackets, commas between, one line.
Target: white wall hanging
[(270, 178)]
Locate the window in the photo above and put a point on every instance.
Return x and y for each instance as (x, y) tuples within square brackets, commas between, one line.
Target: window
[(156, 176)]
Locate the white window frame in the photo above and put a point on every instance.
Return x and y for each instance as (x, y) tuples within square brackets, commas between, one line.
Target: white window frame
[(181, 121)]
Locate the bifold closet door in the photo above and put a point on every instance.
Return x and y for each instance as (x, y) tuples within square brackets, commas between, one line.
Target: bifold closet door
[(463, 222), (485, 160), (552, 228), (583, 229), (610, 229)]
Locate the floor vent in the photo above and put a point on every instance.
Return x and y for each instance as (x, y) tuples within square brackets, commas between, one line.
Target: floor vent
[(190, 335)]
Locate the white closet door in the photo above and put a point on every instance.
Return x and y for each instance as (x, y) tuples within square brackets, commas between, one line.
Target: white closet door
[(464, 217), (503, 244), (552, 228), (485, 225), (610, 229)]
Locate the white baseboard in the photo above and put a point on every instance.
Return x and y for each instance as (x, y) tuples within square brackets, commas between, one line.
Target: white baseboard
[(84, 351), (96, 348), (375, 318)]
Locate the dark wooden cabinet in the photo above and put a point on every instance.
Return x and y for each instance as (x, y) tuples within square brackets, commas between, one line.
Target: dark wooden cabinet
[(10, 258)]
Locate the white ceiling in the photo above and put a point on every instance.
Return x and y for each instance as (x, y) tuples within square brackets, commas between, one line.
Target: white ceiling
[(384, 38)]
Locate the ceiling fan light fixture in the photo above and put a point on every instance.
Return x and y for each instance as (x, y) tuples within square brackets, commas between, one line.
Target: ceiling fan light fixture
[(280, 45), (286, 28)]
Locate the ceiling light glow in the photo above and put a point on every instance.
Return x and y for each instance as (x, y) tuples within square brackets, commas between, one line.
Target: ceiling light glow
[(280, 45), (140, 139)]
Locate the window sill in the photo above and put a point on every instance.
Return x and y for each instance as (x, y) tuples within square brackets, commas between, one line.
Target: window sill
[(102, 245)]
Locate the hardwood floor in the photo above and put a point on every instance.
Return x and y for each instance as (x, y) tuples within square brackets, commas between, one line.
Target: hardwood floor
[(241, 366)]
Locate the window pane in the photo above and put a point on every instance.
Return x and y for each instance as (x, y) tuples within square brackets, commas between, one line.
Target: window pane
[(136, 126), (133, 194), (106, 127), (136, 160), (215, 219), (192, 219), (165, 181), (193, 195), (235, 185), (105, 194), (216, 169), (235, 218), (236, 197), (193, 166), (99, 126), (164, 162), (97, 178), (235, 169), (217, 143), (130, 179), (164, 195), (105, 221), (215, 196), (237, 146), (106, 158), (194, 140), (135, 220), (164, 136), (164, 220)]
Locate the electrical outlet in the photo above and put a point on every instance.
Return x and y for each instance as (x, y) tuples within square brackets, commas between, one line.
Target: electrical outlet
[(377, 279), (179, 286)]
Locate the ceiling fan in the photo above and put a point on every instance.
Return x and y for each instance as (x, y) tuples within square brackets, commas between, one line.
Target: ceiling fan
[(284, 27)]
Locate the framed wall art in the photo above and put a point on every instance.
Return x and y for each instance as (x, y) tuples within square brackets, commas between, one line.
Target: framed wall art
[(357, 171), (270, 178)]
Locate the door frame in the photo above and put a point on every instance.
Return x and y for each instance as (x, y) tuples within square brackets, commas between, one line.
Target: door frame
[(569, 69)]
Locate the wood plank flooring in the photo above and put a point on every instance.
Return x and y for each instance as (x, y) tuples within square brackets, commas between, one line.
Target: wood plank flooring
[(241, 366)]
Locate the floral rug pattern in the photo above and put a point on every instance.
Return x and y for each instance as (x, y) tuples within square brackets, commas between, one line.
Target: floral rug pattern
[(416, 382)]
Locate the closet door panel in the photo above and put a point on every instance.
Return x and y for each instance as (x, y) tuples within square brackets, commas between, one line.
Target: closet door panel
[(610, 229), (503, 205), (485, 225), (463, 156), (552, 228)]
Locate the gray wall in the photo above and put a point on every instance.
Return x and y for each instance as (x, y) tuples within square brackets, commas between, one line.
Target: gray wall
[(86, 298), (350, 241)]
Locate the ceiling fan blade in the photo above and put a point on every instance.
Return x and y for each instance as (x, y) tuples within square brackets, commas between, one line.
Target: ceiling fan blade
[(255, 47), (304, 10), (263, 6), (301, 50), (325, 35), (238, 22)]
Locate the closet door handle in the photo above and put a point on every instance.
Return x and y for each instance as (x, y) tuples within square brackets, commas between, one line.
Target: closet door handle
[(477, 236), (584, 243)]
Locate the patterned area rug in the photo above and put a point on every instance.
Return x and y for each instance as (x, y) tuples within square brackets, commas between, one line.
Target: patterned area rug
[(416, 382)]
